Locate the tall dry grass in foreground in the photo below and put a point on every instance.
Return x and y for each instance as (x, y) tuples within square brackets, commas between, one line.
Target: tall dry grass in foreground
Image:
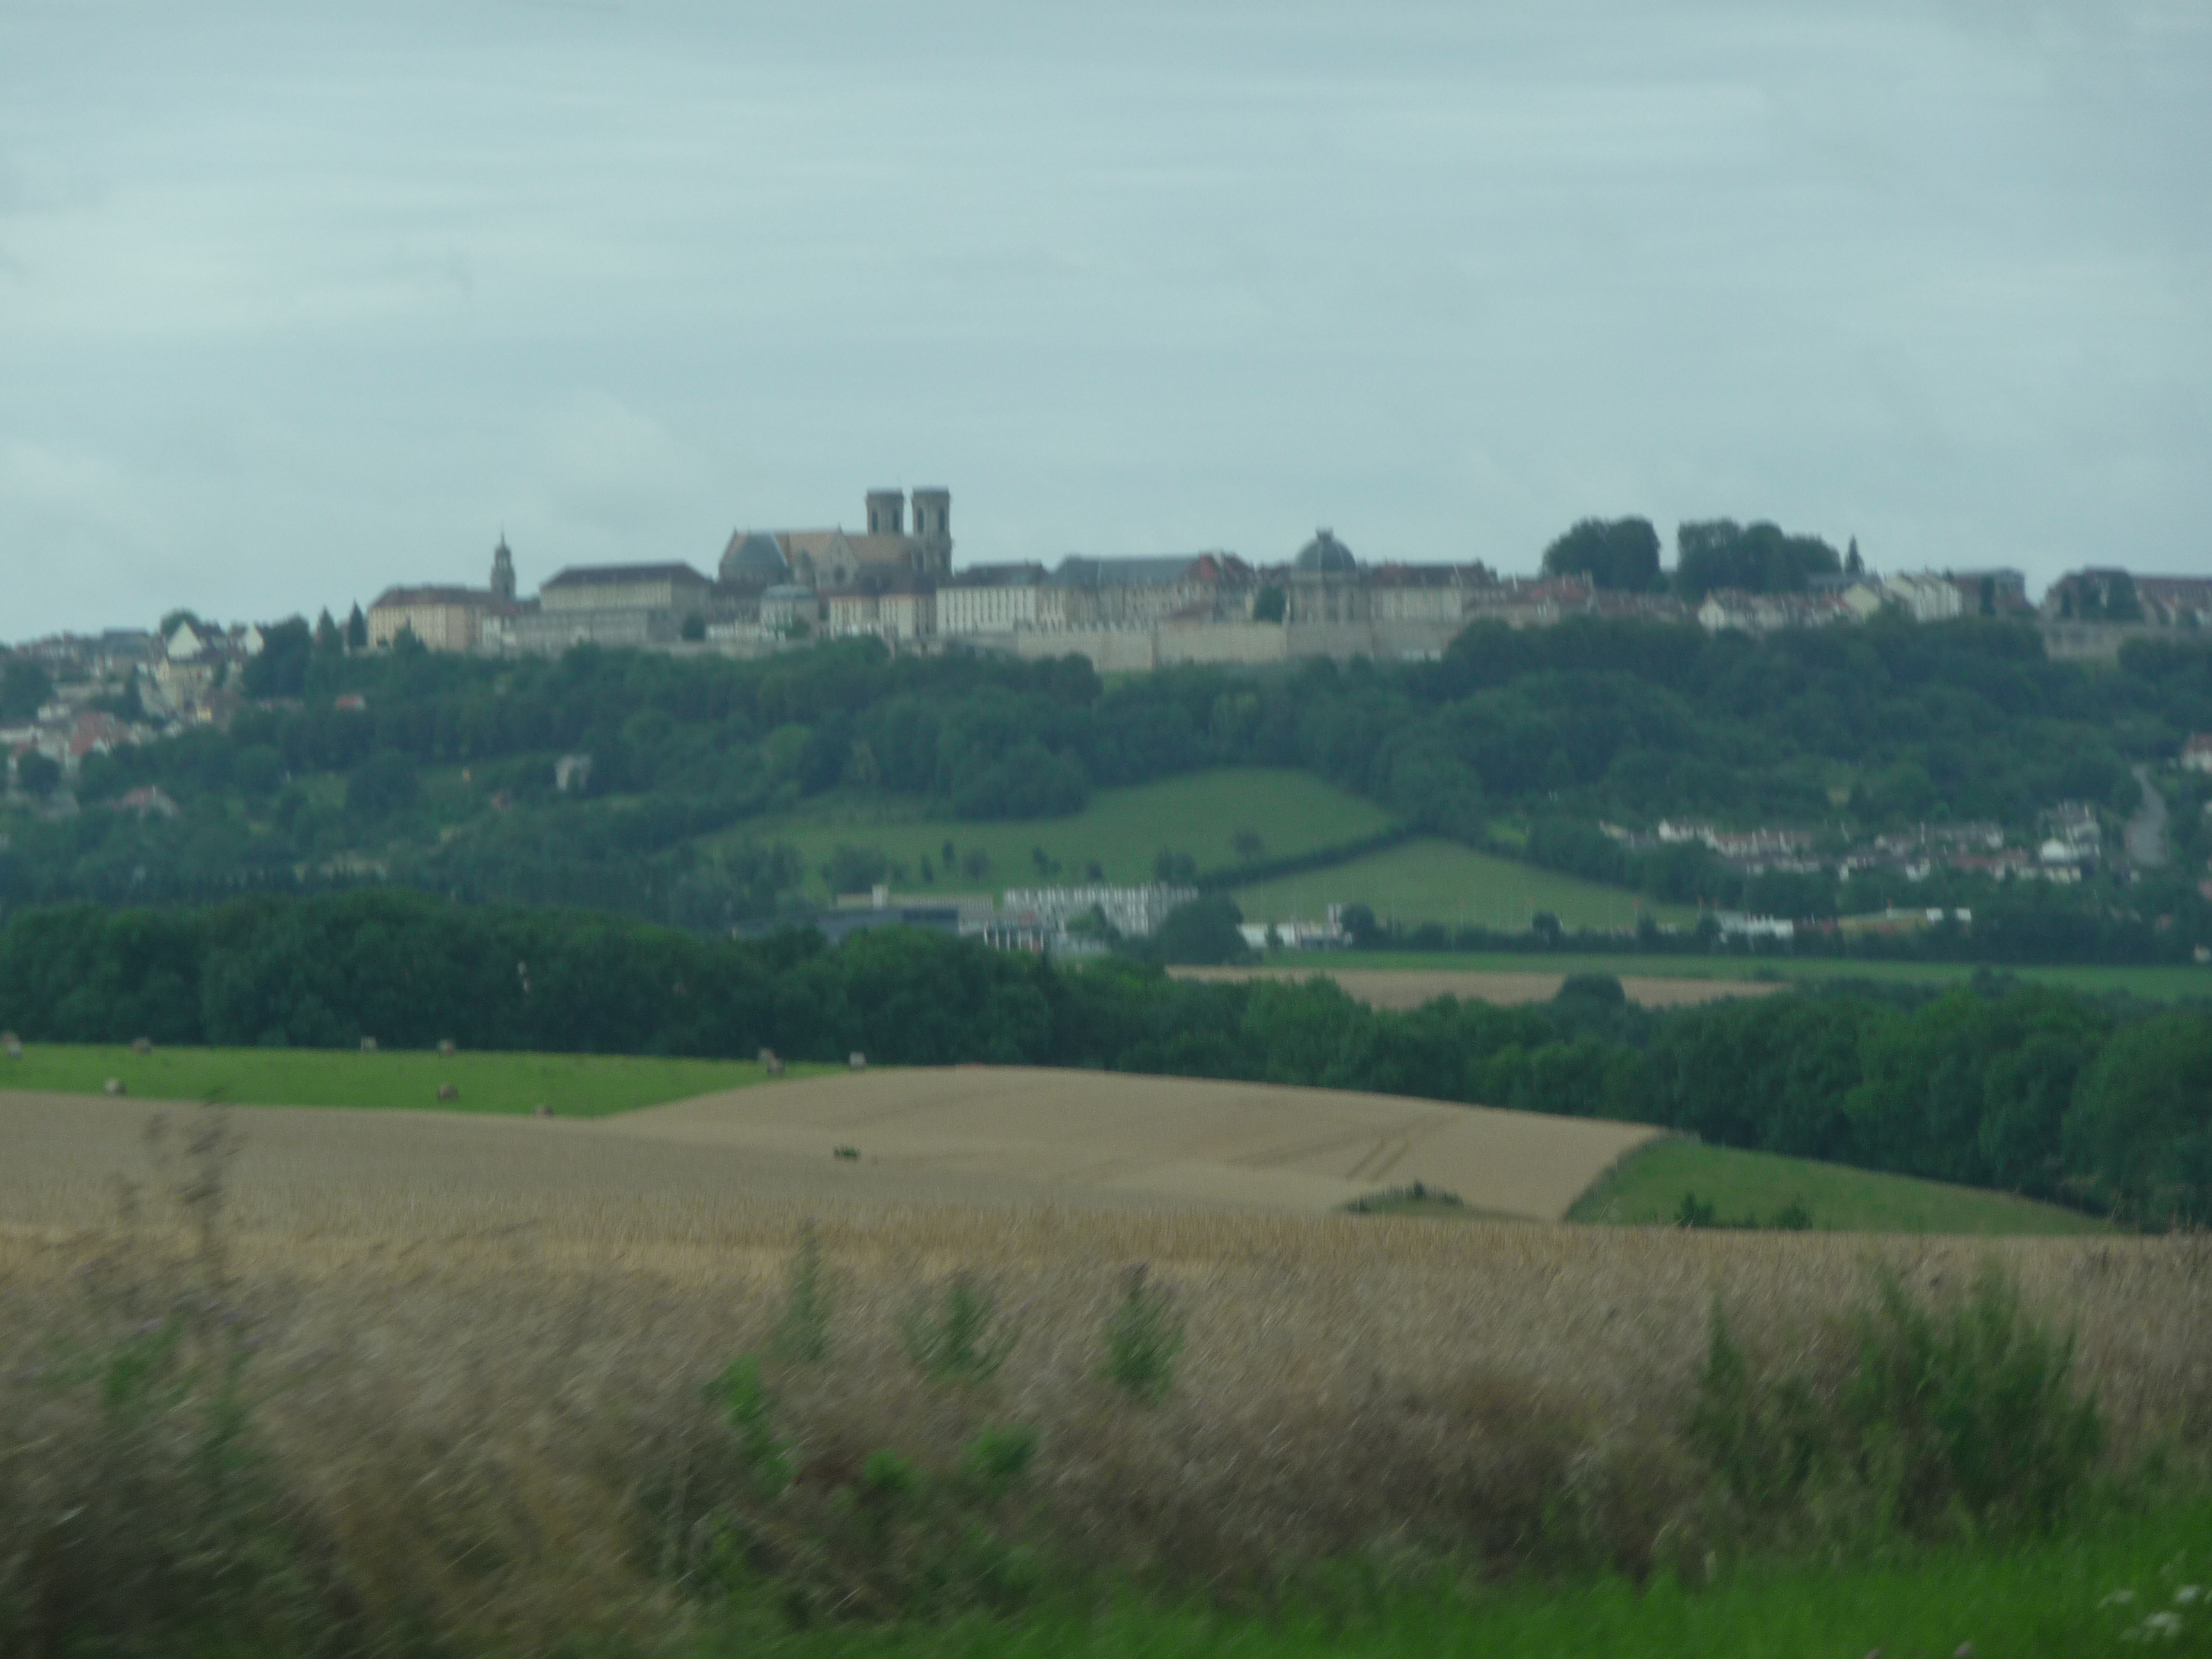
[(508, 1437)]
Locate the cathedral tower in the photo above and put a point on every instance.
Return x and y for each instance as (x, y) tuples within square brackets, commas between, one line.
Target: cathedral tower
[(886, 513)]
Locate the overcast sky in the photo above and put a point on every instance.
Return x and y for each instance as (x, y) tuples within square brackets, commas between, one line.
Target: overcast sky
[(300, 300)]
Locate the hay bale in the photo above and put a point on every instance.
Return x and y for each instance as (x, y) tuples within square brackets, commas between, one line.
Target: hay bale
[(369, 1045), (11, 1045), (541, 1109), (446, 1046), (446, 1091), (141, 1045), (859, 1062), (114, 1086)]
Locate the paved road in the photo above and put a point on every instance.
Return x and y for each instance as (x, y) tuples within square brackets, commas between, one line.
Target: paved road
[(2147, 830)]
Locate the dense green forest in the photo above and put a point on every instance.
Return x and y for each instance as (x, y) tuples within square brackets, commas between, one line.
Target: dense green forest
[(2043, 1092), (443, 777)]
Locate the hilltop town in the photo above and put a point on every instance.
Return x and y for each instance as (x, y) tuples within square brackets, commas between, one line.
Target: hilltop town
[(70, 696), (772, 589)]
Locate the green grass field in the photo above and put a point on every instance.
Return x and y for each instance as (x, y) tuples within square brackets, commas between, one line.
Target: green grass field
[(1122, 830), (2128, 1584), (1436, 880), (2156, 984), (571, 1085), (1646, 1189)]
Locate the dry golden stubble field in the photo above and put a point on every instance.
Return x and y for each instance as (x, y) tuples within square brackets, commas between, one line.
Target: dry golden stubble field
[(451, 1380), (1409, 987), (963, 1136)]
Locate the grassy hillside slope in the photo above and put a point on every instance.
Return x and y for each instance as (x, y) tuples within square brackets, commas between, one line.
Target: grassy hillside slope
[(570, 1085), (1436, 880), (1121, 831), (1646, 1189)]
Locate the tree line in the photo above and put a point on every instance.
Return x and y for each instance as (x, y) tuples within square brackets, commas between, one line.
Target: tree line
[(2094, 1101)]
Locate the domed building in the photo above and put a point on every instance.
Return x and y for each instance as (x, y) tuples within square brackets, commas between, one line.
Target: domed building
[(1326, 585), (1325, 556)]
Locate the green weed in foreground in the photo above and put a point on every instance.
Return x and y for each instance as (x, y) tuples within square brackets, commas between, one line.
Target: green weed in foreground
[(569, 1085), (964, 1338), (1646, 1188), (2117, 1590), (1143, 1336)]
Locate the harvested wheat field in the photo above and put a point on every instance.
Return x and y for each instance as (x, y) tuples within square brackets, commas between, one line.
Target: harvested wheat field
[(969, 1136), (1409, 987)]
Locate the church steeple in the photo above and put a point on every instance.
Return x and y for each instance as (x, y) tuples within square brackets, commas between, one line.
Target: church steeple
[(502, 571)]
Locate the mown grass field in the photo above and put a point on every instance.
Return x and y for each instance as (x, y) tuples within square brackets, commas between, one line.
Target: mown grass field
[(569, 1085), (1646, 1188), (2097, 1592), (1436, 880), (2161, 983), (1121, 830)]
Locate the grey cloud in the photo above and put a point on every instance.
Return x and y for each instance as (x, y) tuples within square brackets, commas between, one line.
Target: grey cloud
[(352, 289)]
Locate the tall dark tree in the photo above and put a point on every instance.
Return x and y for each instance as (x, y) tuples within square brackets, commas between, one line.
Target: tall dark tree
[(281, 668), (24, 686), (1618, 554), (356, 630), (1757, 558)]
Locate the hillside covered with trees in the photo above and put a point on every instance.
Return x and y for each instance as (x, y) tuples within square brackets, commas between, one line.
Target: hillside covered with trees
[(441, 771)]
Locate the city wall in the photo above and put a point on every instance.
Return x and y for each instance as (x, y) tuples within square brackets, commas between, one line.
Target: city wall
[(1248, 645)]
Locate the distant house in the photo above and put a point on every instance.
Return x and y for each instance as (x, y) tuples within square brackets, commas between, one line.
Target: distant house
[(442, 618), (2196, 753), (673, 587), (999, 598), (892, 606), (1925, 596)]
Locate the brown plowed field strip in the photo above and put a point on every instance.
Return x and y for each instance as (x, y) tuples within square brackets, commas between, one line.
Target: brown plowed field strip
[(1409, 987), (974, 1137)]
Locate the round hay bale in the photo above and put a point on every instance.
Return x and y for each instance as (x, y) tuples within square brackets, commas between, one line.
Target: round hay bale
[(369, 1045), (446, 1091), (446, 1046), (141, 1045), (114, 1086), (859, 1062)]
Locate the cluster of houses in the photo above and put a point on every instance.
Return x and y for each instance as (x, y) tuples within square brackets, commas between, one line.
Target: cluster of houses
[(2068, 843), (118, 688)]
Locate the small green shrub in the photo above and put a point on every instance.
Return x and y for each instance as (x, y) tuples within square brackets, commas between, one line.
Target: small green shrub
[(965, 1340), (1695, 1211), (995, 1462), (1144, 1337), (802, 1329), (749, 1408), (1764, 1441), (1970, 1408), (1959, 1417)]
